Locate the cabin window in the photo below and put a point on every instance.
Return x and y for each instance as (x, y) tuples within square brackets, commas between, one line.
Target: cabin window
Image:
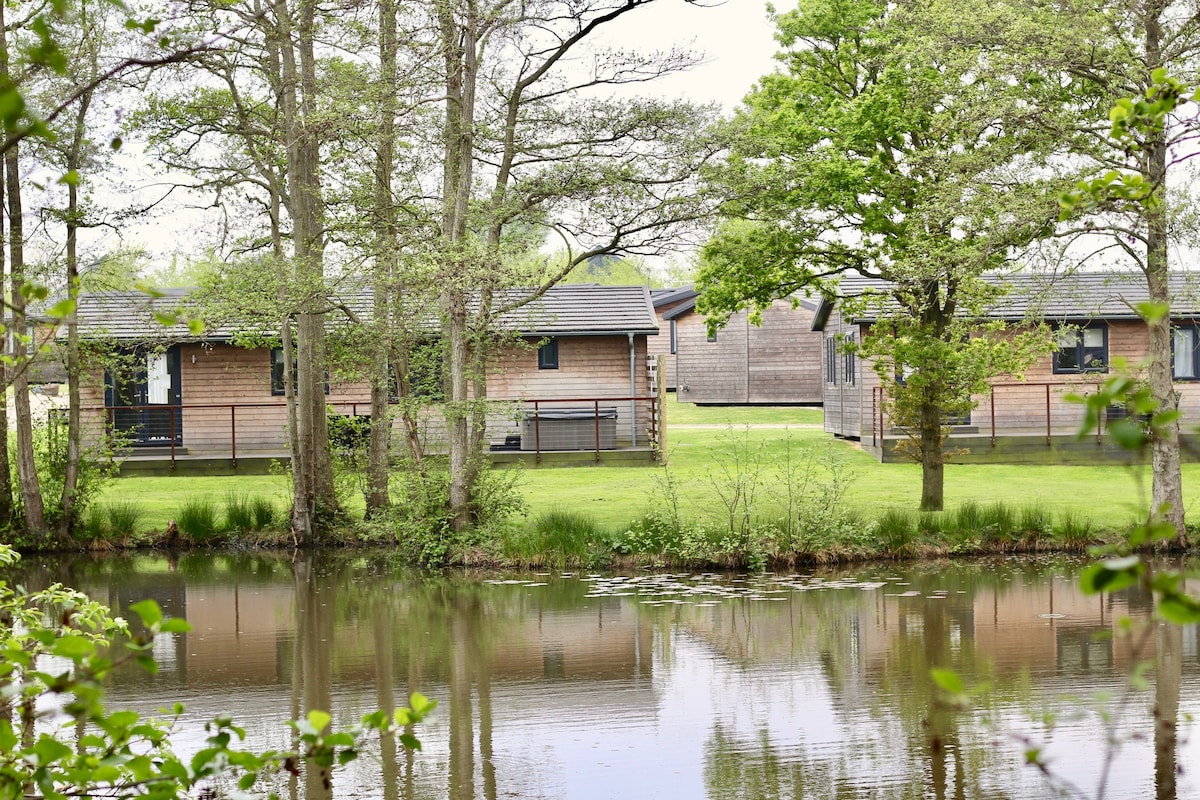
[(277, 372), (1185, 353), (674, 339), (426, 372), (849, 362), (548, 354), (1081, 349), (830, 361), (712, 336)]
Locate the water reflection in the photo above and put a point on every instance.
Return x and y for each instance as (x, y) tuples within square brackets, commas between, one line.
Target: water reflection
[(564, 686)]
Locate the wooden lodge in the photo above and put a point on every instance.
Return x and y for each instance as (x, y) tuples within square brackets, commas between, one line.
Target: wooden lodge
[(667, 342), (1028, 420), (568, 385), (775, 363)]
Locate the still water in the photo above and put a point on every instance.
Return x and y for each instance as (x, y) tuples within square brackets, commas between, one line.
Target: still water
[(590, 687)]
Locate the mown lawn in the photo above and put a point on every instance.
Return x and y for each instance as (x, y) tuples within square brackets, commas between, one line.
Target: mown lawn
[(705, 444)]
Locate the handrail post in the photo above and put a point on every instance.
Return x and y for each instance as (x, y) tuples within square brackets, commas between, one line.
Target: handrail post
[(596, 419), (993, 410), (1047, 415), (171, 422), (537, 433), (875, 408)]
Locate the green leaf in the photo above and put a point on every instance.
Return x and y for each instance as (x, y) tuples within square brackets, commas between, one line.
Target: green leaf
[(62, 309), (148, 612), (175, 625), (319, 720), (1111, 576), (73, 647), (1181, 609), (1152, 312), (947, 680)]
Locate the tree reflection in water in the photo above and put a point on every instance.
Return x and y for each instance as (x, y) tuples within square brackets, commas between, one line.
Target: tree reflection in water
[(662, 685)]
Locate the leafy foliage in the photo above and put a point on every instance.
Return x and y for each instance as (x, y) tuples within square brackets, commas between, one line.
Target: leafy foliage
[(97, 752)]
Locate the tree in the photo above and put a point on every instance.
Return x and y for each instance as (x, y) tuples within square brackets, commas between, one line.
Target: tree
[(527, 146), (894, 147), (1120, 53)]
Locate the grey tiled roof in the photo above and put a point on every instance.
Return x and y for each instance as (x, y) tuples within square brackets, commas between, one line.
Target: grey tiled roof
[(1076, 296), (665, 297), (567, 310)]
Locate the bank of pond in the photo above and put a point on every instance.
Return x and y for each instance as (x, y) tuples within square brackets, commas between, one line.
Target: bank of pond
[(667, 535), (589, 685)]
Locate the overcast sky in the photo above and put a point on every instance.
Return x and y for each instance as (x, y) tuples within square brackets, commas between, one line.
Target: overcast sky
[(736, 36)]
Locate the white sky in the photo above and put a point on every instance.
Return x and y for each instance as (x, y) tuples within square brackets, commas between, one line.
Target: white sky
[(735, 35)]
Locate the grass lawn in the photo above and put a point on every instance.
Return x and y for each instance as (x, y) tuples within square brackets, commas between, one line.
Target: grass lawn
[(705, 441)]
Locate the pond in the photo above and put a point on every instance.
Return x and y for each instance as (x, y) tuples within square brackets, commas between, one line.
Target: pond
[(682, 685)]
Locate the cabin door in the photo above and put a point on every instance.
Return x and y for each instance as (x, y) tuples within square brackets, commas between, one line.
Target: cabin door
[(144, 396)]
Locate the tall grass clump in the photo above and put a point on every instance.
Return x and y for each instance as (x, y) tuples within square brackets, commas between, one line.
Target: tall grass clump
[(94, 525), (994, 524), (124, 518), (896, 530), (198, 519), (1036, 523), (262, 513), (1074, 531), (568, 533), (239, 516)]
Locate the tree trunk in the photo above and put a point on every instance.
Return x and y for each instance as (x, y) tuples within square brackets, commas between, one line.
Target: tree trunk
[(932, 458), (1168, 668), (70, 487), (458, 43), (314, 502), (1167, 489), (31, 491), (385, 255)]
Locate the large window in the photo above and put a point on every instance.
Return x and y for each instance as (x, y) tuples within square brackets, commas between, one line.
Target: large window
[(674, 338), (831, 361), (1185, 353), (277, 372), (548, 355), (1082, 349)]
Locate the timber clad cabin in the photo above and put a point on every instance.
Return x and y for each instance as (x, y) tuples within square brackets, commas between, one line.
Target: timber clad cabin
[(776, 363), (571, 384), (667, 343), (1028, 420)]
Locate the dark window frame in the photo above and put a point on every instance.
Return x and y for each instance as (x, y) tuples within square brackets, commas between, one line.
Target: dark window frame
[(849, 362), (548, 354), (1082, 359), (277, 388), (1192, 329), (831, 361)]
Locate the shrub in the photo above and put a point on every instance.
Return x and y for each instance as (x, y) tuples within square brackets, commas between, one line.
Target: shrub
[(197, 519)]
